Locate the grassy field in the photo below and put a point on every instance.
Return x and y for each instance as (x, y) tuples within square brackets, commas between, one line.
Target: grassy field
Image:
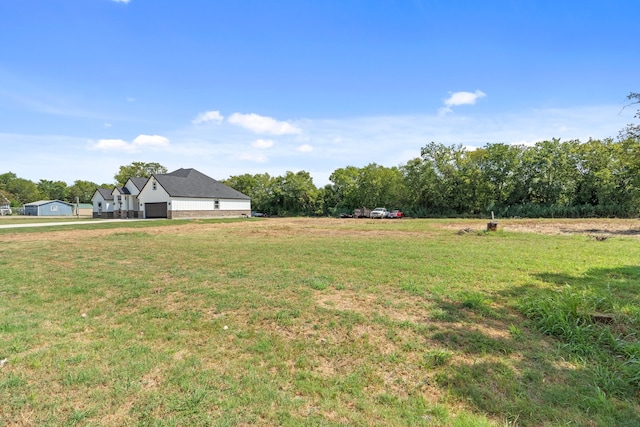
[(317, 322)]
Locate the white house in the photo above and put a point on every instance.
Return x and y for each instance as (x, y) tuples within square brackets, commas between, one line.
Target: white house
[(185, 193), (125, 198), (102, 203)]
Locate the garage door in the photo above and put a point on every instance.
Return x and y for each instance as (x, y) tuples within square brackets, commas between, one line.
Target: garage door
[(155, 210)]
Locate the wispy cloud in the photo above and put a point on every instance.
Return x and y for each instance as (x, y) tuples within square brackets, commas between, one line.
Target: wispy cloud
[(208, 116), (263, 124), (461, 98), (263, 143), (305, 148), (253, 157), (140, 142), (121, 1)]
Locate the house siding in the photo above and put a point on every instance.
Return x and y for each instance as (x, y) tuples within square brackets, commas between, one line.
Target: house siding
[(208, 214), (107, 206), (53, 208), (192, 208)]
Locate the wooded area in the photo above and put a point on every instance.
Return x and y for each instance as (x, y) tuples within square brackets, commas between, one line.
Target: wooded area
[(553, 178)]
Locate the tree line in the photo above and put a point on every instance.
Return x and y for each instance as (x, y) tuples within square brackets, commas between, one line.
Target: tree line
[(552, 178), (19, 191)]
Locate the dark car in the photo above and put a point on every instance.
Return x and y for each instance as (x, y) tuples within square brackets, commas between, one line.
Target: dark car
[(395, 214)]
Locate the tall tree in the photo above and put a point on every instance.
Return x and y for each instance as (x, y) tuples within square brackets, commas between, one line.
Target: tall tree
[(138, 170), (53, 190), (632, 131), (83, 190), (296, 194), (259, 187), (20, 190), (344, 188)]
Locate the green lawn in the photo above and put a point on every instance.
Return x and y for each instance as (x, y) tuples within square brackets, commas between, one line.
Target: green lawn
[(317, 322)]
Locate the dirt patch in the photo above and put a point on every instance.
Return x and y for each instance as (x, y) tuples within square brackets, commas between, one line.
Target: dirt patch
[(291, 227), (587, 227)]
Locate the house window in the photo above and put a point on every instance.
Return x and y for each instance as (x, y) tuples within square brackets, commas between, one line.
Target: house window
[(216, 204), (155, 186)]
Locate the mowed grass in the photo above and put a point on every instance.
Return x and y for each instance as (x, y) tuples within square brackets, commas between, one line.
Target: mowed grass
[(317, 322)]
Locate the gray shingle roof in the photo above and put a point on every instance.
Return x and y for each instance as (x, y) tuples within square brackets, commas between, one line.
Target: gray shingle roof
[(46, 202), (191, 183), (139, 182), (106, 193)]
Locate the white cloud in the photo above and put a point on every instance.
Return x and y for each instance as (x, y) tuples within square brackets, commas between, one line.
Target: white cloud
[(306, 148), (121, 1), (113, 144), (150, 140), (129, 98), (263, 143), (135, 146), (263, 124), (253, 157), (208, 116), (461, 98)]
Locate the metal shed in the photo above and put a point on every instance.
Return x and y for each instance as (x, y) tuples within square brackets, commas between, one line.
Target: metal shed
[(49, 208)]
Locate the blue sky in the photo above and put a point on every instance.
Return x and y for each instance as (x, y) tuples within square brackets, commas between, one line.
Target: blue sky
[(254, 86)]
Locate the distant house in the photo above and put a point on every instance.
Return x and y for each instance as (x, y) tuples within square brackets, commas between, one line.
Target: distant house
[(102, 203), (188, 193), (126, 203), (49, 208), (184, 193)]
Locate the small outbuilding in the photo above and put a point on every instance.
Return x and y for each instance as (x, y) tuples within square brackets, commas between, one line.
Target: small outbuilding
[(84, 209), (49, 208)]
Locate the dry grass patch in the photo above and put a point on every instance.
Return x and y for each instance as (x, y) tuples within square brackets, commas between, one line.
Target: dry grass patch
[(307, 321)]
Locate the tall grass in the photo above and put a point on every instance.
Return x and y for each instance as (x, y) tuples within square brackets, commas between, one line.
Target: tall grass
[(316, 322)]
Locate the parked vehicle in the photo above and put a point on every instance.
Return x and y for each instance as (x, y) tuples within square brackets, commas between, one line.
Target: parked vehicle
[(395, 214), (378, 213), (258, 214), (361, 213)]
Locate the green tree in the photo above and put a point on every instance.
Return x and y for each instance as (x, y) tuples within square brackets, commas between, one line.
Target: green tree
[(498, 165), (344, 189), (597, 164), (553, 171), (53, 190), (451, 186), (380, 186), (138, 170), (632, 131), (296, 194), (19, 190), (83, 190), (259, 187)]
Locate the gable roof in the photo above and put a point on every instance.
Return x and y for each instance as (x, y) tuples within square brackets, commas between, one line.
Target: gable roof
[(46, 202), (122, 190), (139, 182), (106, 193), (191, 183)]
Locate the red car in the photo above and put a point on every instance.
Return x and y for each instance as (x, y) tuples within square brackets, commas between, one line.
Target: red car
[(395, 214)]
